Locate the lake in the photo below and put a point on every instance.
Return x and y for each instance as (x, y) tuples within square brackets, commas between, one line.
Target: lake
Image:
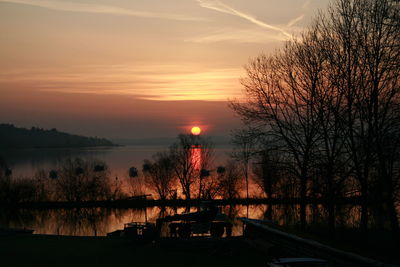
[(25, 162), (100, 221)]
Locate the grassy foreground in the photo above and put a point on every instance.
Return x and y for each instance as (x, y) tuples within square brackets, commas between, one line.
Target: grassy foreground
[(102, 251)]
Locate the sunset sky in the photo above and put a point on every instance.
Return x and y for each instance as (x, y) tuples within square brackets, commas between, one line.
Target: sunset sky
[(135, 69)]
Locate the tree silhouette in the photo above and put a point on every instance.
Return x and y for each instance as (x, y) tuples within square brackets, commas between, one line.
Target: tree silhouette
[(330, 102), (159, 173), (187, 168)]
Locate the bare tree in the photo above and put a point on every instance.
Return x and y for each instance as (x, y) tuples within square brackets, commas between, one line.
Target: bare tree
[(244, 145), (364, 61), (331, 99), (159, 174), (81, 180), (135, 182), (230, 180), (190, 155), (268, 171), (281, 93)]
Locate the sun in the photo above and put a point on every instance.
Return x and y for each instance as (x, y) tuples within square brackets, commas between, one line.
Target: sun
[(196, 130)]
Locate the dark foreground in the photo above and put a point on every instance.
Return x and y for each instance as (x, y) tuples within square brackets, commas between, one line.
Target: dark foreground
[(68, 251)]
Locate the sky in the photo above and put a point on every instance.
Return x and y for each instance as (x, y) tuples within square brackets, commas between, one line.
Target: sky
[(136, 69)]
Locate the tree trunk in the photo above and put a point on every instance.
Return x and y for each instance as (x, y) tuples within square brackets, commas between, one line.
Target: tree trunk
[(331, 205), (303, 190), (364, 213)]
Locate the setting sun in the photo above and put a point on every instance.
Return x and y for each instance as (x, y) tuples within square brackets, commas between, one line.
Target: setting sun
[(196, 130)]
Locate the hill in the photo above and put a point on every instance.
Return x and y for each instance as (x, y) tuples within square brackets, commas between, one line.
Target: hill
[(13, 137)]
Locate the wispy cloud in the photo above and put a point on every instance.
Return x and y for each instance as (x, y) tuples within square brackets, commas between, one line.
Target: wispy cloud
[(100, 9), (305, 6), (151, 82), (223, 8), (237, 36), (295, 20)]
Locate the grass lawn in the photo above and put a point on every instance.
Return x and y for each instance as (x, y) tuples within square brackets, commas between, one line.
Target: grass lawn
[(103, 251)]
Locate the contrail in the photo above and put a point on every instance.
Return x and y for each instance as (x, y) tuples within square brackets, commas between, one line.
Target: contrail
[(221, 7), (295, 20), (100, 9)]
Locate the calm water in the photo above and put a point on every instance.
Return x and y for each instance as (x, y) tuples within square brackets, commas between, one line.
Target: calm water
[(100, 221), (88, 221), (25, 162)]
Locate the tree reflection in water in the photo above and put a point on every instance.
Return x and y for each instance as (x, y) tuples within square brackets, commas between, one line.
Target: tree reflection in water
[(100, 221)]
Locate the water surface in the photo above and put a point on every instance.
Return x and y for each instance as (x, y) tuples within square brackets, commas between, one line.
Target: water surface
[(100, 221), (25, 162)]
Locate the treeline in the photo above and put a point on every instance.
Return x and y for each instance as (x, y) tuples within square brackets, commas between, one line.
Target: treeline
[(13, 137), (75, 180), (184, 171), (323, 112), (187, 170)]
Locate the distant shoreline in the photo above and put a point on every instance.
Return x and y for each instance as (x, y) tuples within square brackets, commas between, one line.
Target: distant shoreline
[(62, 147), (14, 137)]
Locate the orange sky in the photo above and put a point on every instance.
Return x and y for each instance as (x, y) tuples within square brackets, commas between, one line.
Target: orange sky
[(133, 69)]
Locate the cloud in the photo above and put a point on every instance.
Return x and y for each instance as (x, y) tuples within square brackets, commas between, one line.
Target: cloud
[(223, 8), (150, 82), (100, 9)]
